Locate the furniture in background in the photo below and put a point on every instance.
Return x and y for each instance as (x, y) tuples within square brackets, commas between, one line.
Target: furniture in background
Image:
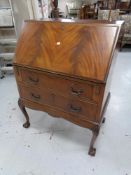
[(7, 38), (67, 77), (108, 14), (125, 35), (72, 10), (55, 10), (126, 38), (88, 12), (55, 13), (100, 3), (123, 5), (106, 4)]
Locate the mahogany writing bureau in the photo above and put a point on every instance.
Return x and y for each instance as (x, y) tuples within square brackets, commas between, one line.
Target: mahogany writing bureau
[(62, 67)]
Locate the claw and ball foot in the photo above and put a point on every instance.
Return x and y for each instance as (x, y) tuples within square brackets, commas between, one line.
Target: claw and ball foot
[(22, 107), (92, 150), (26, 125)]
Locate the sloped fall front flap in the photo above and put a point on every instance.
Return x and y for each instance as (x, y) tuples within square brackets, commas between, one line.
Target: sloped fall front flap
[(81, 49)]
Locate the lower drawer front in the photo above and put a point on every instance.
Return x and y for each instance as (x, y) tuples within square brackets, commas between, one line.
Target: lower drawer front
[(80, 109)]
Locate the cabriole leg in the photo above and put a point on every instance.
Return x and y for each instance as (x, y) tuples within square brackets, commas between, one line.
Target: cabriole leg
[(22, 107), (103, 120), (92, 150)]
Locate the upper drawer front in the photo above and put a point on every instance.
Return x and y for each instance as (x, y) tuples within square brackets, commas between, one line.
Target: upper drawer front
[(85, 90)]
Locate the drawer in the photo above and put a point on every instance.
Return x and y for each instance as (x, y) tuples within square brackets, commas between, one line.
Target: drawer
[(35, 94), (61, 85), (80, 109), (77, 108)]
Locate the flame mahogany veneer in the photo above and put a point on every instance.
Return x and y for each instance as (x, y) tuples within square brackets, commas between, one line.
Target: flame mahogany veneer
[(62, 67)]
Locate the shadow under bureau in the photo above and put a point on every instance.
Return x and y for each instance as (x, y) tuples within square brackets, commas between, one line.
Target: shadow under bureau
[(63, 67)]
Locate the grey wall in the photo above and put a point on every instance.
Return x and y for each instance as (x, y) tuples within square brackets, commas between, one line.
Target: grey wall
[(4, 3), (21, 13), (20, 10)]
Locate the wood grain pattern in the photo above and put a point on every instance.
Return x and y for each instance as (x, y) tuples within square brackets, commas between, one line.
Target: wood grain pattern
[(82, 50)]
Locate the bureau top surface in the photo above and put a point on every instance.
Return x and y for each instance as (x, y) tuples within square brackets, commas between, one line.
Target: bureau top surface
[(81, 49)]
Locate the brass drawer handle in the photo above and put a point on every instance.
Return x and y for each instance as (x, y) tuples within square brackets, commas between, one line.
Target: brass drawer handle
[(33, 80), (76, 92), (75, 109), (36, 97)]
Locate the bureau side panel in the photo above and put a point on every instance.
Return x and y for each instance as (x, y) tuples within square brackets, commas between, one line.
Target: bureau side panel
[(109, 80)]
